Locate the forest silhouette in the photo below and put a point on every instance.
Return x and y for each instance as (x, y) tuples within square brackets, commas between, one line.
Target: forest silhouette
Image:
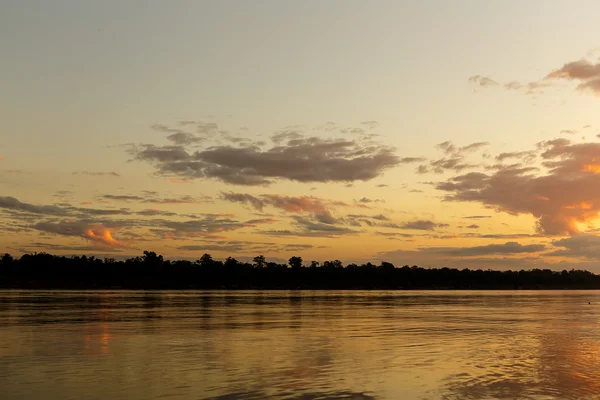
[(152, 271)]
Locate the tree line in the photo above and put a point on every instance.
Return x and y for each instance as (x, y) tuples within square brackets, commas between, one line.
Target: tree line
[(152, 271)]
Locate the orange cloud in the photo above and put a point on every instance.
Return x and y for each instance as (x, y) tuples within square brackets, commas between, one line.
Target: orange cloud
[(594, 168), (569, 190), (101, 234)]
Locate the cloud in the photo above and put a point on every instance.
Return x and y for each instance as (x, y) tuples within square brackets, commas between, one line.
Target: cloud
[(483, 81), (286, 136), (366, 200), (422, 225), (473, 226), (582, 71), (490, 249), (178, 136), (586, 246), (513, 85), (13, 204), (97, 233), (186, 199), (310, 204), (244, 198), (370, 124), (304, 160), (567, 194), (410, 160), (454, 160), (154, 213), (91, 173), (527, 156), (502, 235), (203, 226), (477, 216), (395, 234), (153, 199), (122, 197), (308, 228)]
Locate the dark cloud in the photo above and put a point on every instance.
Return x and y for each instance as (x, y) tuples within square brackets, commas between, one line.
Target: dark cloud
[(582, 71), (94, 232), (454, 160), (422, 225), (307, 228), (370, 220), (380, 217), (155, 213), (310, 204), (85, 212), (244, 198), (366, 200), (91, 173), (305, 160), (410, 160), (11, 203), (153, 199), (527, 156), (178, 136), (473, 226), (502, 235), (491, 249), (184, 138), (586, 246), (286, 136), (186, 199), (122, 197), (202, 226), (477, 216), (569, 193), (529, 88), (395, 234)]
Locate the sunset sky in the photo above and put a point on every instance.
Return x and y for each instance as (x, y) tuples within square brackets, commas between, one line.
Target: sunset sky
[(437, 133)]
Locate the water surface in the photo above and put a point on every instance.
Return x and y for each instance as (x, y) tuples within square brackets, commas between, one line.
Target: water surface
[(446, 345)]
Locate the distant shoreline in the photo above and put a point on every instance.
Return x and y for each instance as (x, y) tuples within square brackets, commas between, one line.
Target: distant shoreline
[(151, 272), (159, 286)]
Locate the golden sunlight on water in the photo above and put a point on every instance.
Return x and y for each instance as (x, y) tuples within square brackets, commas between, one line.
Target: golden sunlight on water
[(299, 345)]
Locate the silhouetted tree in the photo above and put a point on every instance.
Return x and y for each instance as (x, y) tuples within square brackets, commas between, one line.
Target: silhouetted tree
[(386, 266), (295, 262), (7, 259), (230, 263), (206, 260), (259, 261), (152, 271)]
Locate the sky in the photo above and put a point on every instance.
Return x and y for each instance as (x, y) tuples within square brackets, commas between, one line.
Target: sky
[(435, 133)]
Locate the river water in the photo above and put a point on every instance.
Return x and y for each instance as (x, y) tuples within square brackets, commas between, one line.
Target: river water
[(306, 345)]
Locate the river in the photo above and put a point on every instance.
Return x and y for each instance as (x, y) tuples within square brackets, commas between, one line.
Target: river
[(130, 345)]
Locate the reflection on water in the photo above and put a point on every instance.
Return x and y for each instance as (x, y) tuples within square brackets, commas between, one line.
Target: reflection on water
[(299, 345)]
